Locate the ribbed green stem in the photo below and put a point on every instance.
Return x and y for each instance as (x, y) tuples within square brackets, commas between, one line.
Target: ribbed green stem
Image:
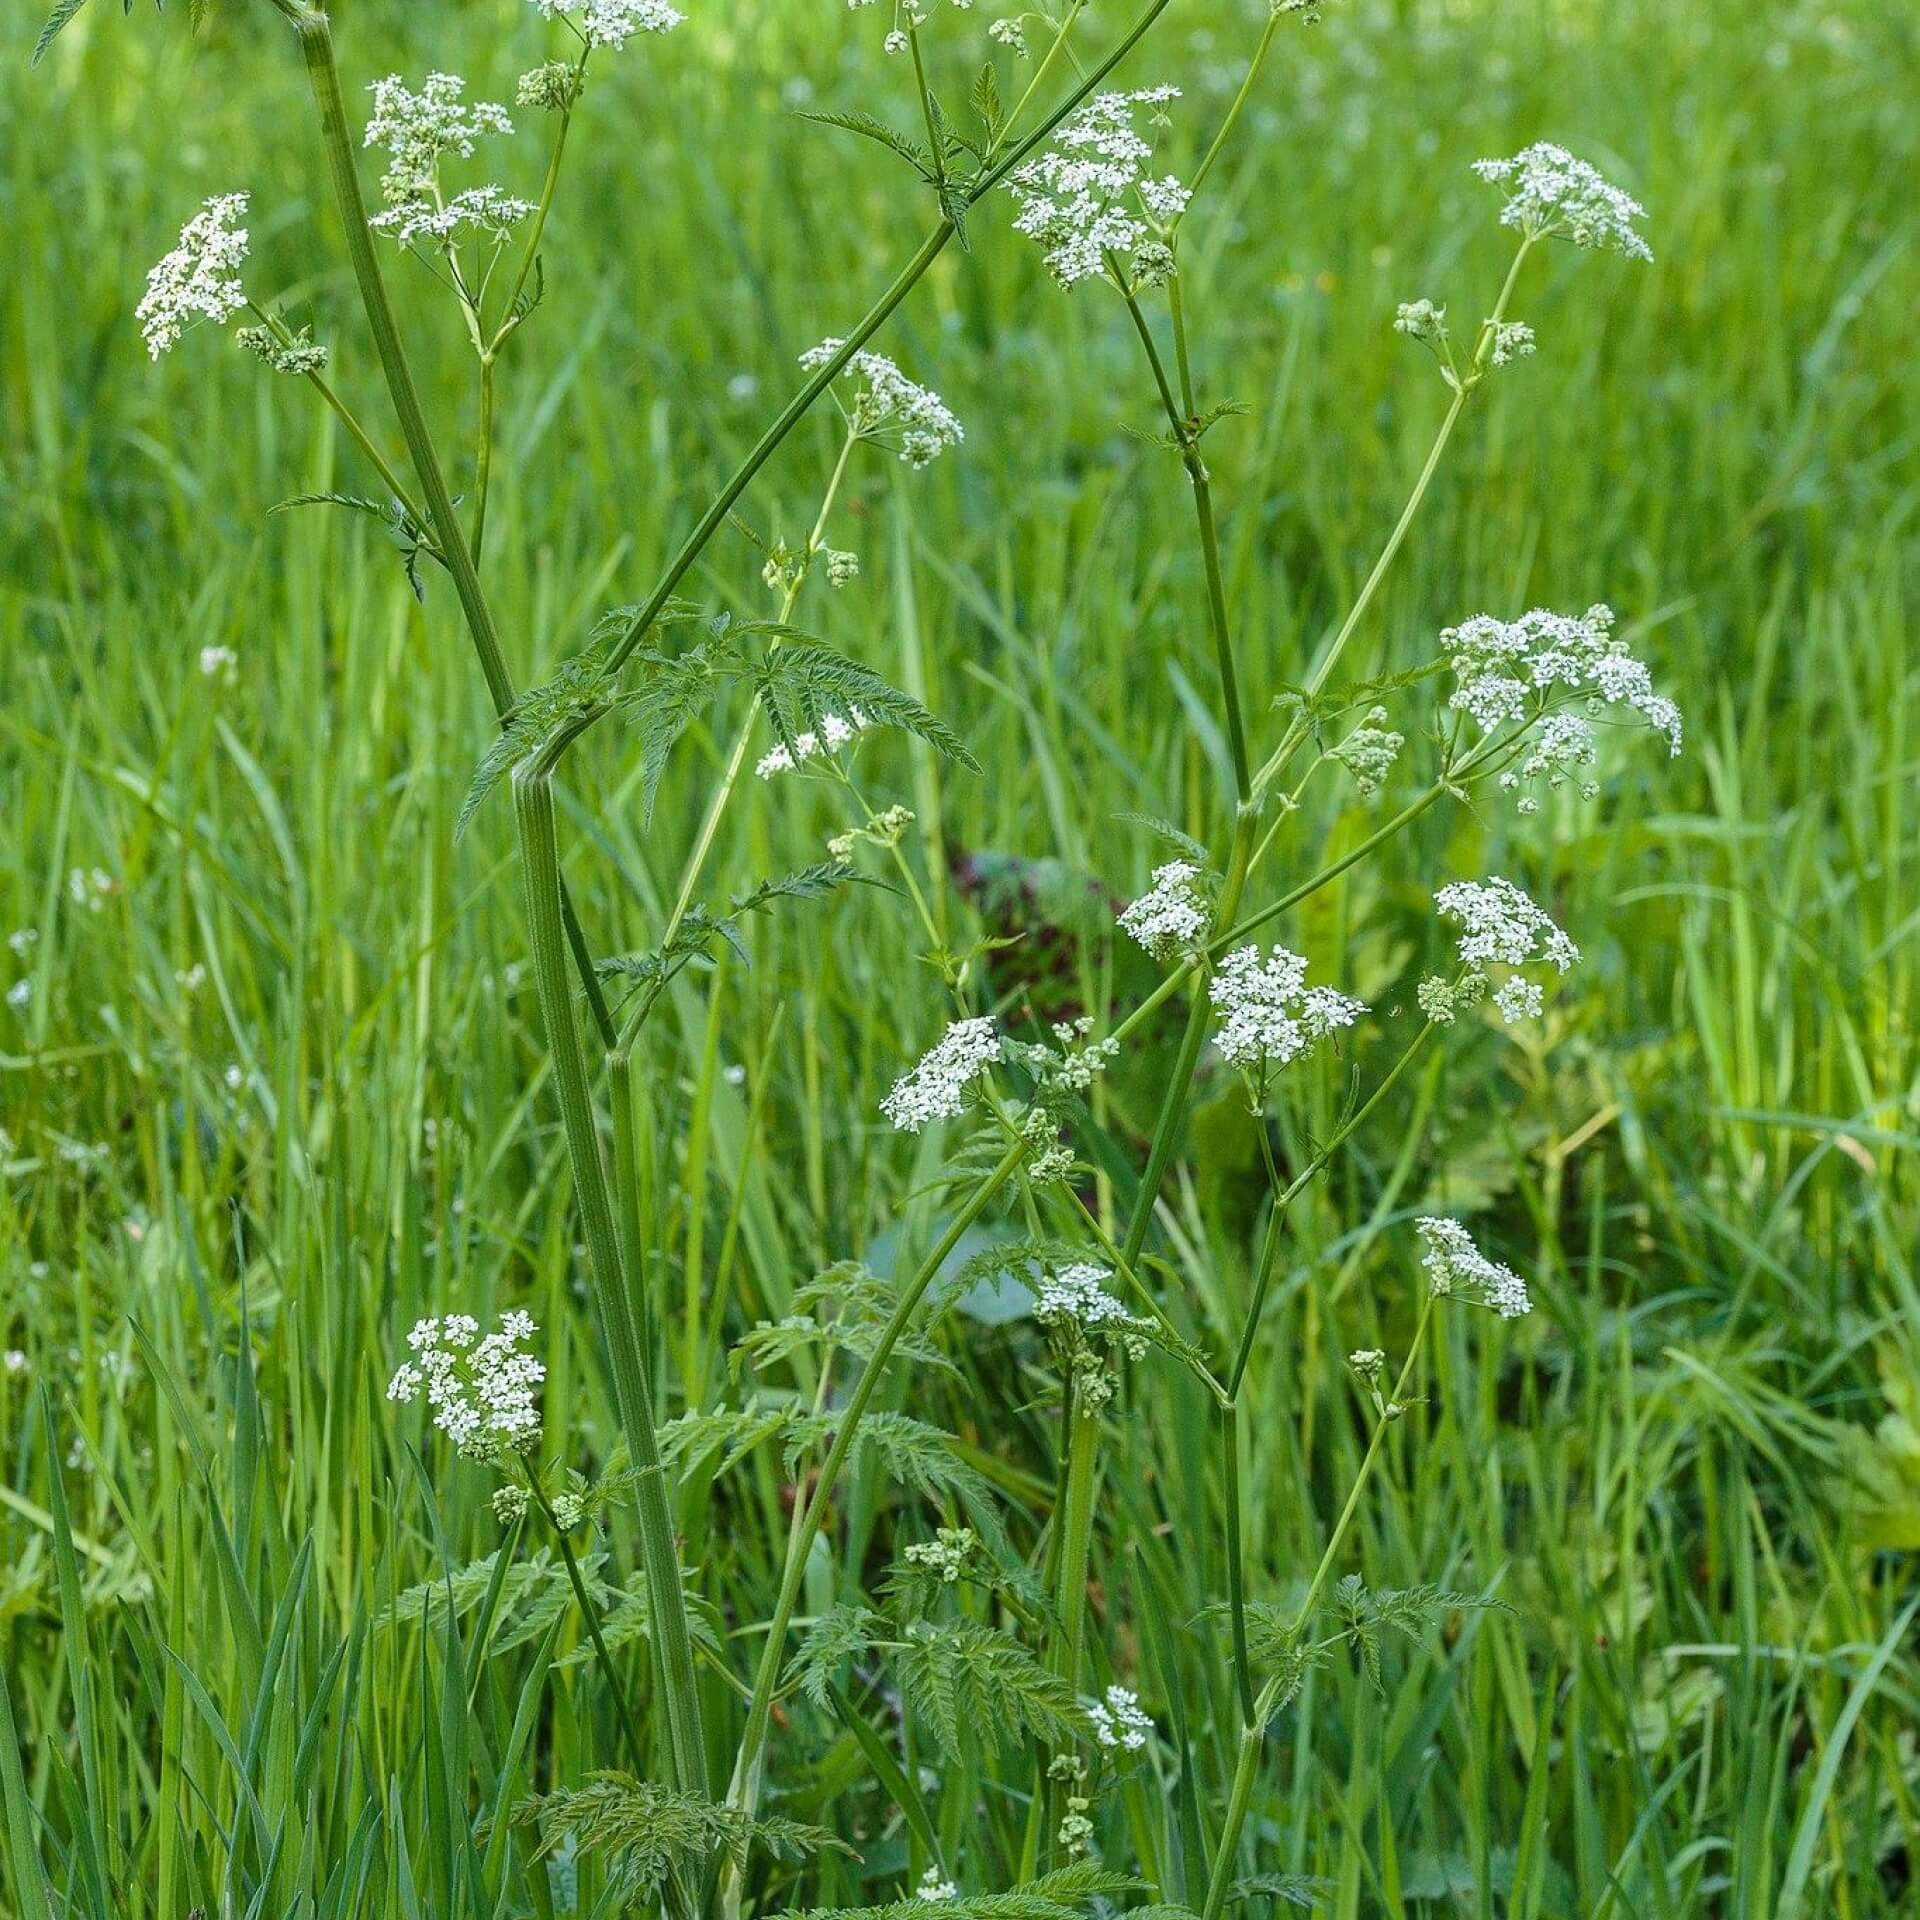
[(673, 1645), (1076, 1536), (323, 77)]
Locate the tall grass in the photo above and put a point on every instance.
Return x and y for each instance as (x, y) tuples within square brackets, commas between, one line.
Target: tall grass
[(1692, 1474)]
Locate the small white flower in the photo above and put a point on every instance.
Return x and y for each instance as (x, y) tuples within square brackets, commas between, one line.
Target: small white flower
[(486, 210), (835, 731), (890, 408), (300, 354), (1456, 1268), (19, 995), (1500, 926), (1079, 1293), (1369, 751), (1171, 916), (199, 278), (14, 1360), (945, 1555), (1510, 670), (480, 1389), (1269, 1015), (220, 663), (1512, 340), (21, 940), (934, 1886), (612, 23), (1551, 194), (1420, 320), (1088, 199), (1009, 33), (417, 129), (1119, 1721), (936, 1088)]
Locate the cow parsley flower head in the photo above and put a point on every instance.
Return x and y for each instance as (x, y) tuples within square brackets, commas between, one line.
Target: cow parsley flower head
[(199, 278), (1500, 926), (612, 23), (1509, 670), (1268, 1013), (1512, 340), (835, 731), (486, 210), (945, 1556), (1119, 1720), (1079, 1293), (1457, 1269), (293, 353), (418, 129), (934, 1885), (1172, 914), (1089, 200), (1369, 751), (480, 1387), (1550, 195), (891, 409), (936, 1089)]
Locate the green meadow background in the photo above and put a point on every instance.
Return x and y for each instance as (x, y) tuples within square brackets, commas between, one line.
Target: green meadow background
[(272, 1081)]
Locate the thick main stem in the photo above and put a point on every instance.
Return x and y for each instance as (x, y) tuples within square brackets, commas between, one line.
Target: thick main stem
[(673, 1645)]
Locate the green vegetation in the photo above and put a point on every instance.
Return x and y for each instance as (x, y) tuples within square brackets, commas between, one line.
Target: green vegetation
[(275, 1081)]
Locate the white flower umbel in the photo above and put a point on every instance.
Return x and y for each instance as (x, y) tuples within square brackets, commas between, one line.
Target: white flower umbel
[(612, 23), (1171, 916), (1500, 926), (1268, 1013), (934, 1885), (889, 408), (419, 129), (481, 1389), (936, 1089), (1119, 1721), (1089, 200), (835, 731), (1513, 670), (1457, 1269), (199, 279), (1551, 195), (1079, 1293), (484, 210)]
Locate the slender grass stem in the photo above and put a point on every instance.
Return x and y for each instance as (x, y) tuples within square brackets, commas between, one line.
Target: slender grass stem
[(1253, 1732)]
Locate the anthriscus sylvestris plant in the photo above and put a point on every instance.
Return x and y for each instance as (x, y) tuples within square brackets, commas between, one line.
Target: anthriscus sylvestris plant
[(980, 1635)]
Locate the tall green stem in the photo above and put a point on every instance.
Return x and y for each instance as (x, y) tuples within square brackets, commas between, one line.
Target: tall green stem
[(540, 858), (323, 80)]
